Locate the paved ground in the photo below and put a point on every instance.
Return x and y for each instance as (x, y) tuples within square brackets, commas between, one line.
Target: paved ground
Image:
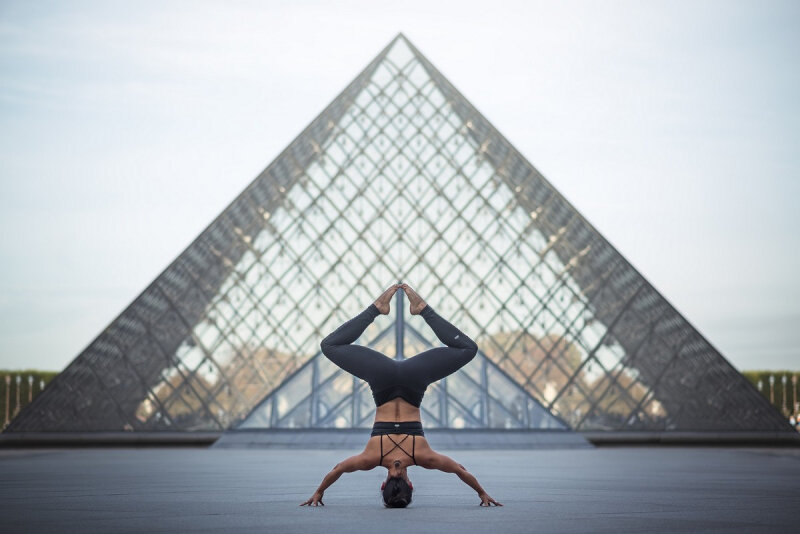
[(584, 490)]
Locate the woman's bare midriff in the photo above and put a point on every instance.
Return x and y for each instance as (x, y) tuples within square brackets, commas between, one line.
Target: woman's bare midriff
[(396, 410)]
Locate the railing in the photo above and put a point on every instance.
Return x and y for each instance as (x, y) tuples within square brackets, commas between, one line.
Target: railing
[(18, 388), (780, 388)]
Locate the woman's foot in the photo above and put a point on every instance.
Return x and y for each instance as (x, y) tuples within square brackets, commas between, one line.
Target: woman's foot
[(382, 303), (416, 304)]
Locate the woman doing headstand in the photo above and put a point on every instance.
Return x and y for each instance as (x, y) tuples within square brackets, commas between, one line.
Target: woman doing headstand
[(398, 387)]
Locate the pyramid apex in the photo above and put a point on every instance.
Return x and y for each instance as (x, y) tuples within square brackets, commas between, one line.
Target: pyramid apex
[(401, 37)]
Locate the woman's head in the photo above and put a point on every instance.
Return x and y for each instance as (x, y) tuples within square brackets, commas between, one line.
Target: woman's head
[(396, 492)]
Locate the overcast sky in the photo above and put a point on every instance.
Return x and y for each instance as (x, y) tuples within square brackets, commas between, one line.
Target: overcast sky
[(126, 127)]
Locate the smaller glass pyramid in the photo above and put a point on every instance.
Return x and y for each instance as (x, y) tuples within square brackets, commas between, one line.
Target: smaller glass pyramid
[(321, 395)]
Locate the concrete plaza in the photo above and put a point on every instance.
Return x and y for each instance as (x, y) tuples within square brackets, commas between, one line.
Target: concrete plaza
[(634, 489)]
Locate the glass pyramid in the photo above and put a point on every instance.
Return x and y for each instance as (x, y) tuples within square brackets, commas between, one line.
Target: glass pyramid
[(399, 178)]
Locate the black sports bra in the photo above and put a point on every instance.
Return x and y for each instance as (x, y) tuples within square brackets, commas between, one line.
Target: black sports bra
[(399, 427), (409, 428), (397, 446)]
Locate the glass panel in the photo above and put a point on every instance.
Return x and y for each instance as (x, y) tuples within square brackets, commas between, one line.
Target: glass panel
[(294, 391)]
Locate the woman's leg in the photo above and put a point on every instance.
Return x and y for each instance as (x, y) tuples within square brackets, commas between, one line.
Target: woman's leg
[(435, 364), (363, 362)]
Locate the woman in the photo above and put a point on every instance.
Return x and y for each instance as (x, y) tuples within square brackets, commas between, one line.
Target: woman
[(397, 439)]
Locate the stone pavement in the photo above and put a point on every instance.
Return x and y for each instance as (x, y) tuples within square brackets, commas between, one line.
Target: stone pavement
[(644, 489)]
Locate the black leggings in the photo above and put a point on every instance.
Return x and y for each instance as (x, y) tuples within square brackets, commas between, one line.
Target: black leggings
[(382, 372)]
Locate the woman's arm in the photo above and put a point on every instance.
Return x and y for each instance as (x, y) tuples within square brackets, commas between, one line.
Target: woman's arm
[(448, 465), (359, 462)]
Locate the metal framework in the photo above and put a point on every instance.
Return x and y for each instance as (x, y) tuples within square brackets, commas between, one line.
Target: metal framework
[(399, 178)]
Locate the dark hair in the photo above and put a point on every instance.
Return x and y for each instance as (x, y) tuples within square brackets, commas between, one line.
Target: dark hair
[(396, 493)]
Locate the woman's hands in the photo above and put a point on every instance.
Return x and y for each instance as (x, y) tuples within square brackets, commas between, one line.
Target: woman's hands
[(359, 462), (315, 499), (488, 501), (433, 460)]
